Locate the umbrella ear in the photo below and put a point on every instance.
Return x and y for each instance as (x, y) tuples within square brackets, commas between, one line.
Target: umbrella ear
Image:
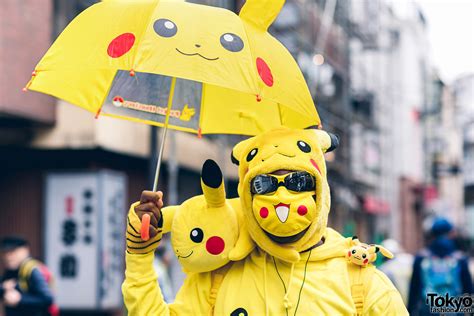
[(239, 150), (261, 13)]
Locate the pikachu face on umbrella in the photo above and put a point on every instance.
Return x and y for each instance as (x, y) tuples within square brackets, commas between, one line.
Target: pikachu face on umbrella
[(238, 63)]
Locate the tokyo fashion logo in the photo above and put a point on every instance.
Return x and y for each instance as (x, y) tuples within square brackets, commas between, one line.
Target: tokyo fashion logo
[(450, 304)]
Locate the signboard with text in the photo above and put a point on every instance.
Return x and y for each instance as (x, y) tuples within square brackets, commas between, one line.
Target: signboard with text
[(84, 237)]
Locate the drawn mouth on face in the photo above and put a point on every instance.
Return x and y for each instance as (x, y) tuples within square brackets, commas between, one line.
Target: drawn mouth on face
[(196, 54), (184, 257), (282, 211)]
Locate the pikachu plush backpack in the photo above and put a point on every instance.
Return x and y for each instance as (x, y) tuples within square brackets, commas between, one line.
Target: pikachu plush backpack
[(359, 257)]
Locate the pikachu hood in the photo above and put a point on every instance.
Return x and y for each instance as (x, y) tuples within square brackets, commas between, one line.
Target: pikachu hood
[(284, 222)]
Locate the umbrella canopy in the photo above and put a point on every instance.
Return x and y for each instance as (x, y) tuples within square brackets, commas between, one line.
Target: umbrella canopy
[(210, 70)]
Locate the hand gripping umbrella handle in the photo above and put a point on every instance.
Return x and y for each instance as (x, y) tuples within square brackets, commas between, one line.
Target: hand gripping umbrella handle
[(145, 229)]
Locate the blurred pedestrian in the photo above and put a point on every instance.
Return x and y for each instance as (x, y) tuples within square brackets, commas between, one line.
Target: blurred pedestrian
[(25, 288), (399, 269), (440, 268)]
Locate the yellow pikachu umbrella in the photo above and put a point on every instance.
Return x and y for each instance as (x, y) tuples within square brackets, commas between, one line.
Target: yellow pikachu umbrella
[(180, 65), (209, 69)]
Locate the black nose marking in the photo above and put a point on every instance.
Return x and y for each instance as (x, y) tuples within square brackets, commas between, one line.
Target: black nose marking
[(197, 45)]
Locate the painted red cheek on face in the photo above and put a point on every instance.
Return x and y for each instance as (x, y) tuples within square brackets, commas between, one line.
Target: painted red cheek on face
[(120, 45), (302, 210), (215, 245), (263, 212), (315, 165), (366, 260)]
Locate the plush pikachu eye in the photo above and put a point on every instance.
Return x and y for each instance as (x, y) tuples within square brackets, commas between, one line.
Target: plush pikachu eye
[(232, 42), (364, 256), (196, 235), (165, 28), (354, 251), (252, 154), (304, 147)]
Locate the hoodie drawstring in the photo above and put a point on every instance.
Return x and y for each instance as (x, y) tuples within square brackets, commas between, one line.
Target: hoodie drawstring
[(286, 300), (265, 281)]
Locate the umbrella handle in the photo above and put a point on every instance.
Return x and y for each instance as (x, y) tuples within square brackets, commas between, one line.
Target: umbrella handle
[(145, 229)]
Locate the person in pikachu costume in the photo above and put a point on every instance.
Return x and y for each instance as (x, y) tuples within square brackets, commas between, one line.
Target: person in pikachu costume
[(298, 266)]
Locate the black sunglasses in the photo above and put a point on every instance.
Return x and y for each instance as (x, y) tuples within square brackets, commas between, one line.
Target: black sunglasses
[(299, 181)]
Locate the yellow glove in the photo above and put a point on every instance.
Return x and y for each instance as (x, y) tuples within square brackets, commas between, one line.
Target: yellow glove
[(150, 203)]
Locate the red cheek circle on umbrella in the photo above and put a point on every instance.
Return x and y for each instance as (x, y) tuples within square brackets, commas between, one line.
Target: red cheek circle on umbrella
[(215, 245), (264, 72), (263, 212), (302, 210), (120, 45)]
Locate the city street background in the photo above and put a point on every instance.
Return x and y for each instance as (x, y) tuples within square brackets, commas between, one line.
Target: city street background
[(393, 79)]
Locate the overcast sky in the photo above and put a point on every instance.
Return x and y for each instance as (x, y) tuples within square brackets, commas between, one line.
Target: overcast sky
[(451, 34)]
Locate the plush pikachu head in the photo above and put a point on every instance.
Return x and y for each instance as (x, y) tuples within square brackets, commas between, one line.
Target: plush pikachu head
[(362, 254), (206, 229), (284, 189)]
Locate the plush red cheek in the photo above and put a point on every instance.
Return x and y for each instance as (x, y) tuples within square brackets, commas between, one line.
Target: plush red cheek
[(215, 245), (366, 261), (349, 253)]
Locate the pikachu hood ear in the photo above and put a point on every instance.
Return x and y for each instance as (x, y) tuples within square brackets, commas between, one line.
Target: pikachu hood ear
[(212, 184), (261, 13), (328, 141)]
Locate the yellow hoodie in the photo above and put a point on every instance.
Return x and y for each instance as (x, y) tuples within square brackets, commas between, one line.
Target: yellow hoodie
[(257, 285), (307, 276)]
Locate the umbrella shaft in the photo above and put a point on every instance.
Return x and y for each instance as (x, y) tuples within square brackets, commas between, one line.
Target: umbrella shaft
[(158, 162), (163, 138)]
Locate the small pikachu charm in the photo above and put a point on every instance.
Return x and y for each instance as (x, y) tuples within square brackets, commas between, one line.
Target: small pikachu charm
[(362, 254)]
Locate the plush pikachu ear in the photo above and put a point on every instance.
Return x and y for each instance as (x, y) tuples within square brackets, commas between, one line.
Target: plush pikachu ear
[(212, 184), (328, 141), (239, 150), (168, 216), (384, 251), (261, 13)]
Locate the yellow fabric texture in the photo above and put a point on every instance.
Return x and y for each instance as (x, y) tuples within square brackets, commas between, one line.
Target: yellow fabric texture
[(77, 68), (321, 285)]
